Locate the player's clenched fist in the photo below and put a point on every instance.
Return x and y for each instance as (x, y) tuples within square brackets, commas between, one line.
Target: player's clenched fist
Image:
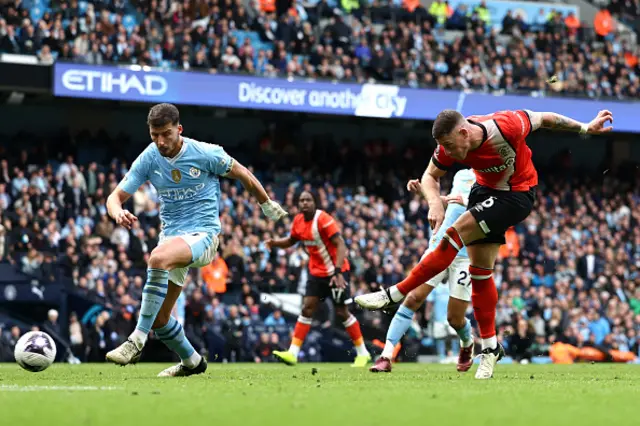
[(125, 218), (268, 244), (273, 210)]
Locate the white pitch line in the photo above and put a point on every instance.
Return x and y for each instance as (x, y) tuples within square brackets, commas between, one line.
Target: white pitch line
[(17, 388)]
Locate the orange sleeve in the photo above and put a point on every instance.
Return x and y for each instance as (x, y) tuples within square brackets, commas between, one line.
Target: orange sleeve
[(327, 226), (515, 126), (441, 159)]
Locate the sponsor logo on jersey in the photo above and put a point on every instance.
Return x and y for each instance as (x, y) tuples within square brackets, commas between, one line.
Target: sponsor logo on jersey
[(181, 194), (195, 173), (176, 175), (509, 162)]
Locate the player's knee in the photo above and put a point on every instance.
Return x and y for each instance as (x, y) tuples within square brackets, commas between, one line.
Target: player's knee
[(308, 309), (412, 301), (468, 228), (342, 313), (456, 320), (159, 260)]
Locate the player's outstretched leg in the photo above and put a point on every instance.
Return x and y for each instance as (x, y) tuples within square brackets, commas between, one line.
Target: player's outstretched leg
[(351, 324), (431, 265), (290, 357), (172, 335), (153, 295), (484, 298)]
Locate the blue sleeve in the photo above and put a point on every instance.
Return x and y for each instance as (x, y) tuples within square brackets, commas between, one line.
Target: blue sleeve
[(217, 160), (137, 174)]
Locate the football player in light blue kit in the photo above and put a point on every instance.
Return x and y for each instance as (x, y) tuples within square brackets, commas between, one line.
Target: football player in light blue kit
[(458, 281), (186, 175)]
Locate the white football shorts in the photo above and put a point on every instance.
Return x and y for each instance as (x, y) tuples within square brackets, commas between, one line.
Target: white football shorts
[(203, 250), (457, 277)]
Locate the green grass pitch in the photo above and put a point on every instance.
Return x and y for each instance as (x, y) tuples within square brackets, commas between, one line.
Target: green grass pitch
[(273, 394)]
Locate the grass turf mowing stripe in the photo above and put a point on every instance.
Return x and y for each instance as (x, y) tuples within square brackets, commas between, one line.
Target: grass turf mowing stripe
[(274, 394)]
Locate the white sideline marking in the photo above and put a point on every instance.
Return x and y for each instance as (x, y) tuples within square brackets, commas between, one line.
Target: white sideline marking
[(17, 388)]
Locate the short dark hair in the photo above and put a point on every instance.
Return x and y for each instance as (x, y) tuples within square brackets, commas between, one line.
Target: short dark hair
[(445, 122), (162, 114)]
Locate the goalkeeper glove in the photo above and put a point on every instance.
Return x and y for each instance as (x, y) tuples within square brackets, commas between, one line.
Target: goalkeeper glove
[(273, 210)]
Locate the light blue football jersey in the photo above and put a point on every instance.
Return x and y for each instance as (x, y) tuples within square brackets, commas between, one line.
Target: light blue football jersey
[(462, 183), (188, 185)]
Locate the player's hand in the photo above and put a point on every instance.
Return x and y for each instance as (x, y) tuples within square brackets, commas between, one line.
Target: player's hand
[(414, 186), (126, 218), (269, 244), (436, 216), (597, 125), (337, 281), (454, 199), (273, 210)]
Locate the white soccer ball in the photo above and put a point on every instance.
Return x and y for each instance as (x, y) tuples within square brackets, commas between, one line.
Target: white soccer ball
[(35, 351)]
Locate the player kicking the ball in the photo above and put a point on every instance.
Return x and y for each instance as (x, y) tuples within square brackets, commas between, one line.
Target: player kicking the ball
[(456, 276), (494, 146), (186, 174), (329, 276)]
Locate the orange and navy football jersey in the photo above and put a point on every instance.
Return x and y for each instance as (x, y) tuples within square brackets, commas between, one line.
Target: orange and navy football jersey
[(503, 160), (316, 235)]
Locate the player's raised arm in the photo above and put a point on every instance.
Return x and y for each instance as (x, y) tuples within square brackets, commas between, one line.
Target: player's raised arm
[(270, 208), (555, 121)]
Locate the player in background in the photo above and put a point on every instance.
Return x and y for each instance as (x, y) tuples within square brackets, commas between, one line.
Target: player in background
[(186, 174), (328, 276), (456, 276), (494, 146)]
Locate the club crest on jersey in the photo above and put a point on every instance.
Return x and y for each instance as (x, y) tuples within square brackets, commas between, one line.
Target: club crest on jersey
[(195, 173), (176, 175)]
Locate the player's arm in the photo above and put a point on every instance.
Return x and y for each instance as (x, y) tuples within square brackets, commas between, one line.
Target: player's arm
[(430, 186), (341, 254), (341, 250), (329, 229), (136, 176), (270, 208), (115, 201), (283, 243), (555, 121)]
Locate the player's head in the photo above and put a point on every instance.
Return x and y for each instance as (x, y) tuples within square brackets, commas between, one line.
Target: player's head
[(451, 131), (307, 202), (165, 128)]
